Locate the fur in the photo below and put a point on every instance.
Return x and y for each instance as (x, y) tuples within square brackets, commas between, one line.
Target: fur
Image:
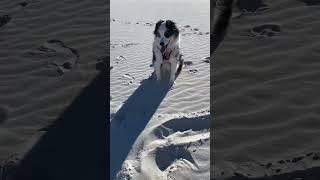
[(166, 48)]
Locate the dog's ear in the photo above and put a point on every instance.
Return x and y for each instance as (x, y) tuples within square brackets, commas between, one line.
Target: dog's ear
[(155, 32), (172, 26), (169, 23)]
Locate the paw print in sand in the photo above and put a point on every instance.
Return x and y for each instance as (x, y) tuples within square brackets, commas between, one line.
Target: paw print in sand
[(265, 30), (4, 19), (57, 56)]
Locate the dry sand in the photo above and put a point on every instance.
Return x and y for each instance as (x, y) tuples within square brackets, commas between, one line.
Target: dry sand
[(51, 54), (159, 131), (266, 91)]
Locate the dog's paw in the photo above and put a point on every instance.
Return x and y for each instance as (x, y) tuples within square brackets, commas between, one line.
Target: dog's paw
[(172, 84), (172, 79), (158, 77)]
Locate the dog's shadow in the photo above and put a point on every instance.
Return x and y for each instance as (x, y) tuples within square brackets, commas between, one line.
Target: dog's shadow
[(130, 120)]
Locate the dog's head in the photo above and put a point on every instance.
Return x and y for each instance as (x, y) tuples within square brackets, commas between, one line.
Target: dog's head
[(165, 32)]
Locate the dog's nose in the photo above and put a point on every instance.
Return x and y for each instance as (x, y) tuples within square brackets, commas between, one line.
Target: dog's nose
[(161, 43)]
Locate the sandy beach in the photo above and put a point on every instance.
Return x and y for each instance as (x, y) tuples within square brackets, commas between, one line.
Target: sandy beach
[(265, 94), (159, 131), (52, 54)]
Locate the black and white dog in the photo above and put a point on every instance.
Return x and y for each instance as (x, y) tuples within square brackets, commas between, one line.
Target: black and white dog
[(166, 48)]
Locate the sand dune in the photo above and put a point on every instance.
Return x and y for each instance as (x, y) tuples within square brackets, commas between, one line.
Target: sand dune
[(266, 88)]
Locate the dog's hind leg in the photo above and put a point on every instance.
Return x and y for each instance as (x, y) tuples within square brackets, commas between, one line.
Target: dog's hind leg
[(153, 58), (180, 60)]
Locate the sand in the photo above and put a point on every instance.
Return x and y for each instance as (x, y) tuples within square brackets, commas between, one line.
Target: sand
[(51, 56), (265, 95), (159, 131)]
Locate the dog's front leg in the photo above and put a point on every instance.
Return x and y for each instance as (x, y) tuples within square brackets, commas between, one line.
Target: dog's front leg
[(173, 69), (157, 64)]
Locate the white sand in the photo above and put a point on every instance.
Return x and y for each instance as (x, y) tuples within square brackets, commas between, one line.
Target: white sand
[(157, 131)]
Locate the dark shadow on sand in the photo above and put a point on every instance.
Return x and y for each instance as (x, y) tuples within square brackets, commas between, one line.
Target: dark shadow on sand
[(219, 26), (131, 119), (75, 146)]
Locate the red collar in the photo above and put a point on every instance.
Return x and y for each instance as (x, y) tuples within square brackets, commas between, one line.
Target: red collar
[(165, 53)]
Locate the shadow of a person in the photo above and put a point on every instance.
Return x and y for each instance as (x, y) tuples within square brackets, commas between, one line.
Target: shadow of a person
[(75, 146)]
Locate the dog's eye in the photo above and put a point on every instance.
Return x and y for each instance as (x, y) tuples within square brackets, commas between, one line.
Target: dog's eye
[(167, 34)]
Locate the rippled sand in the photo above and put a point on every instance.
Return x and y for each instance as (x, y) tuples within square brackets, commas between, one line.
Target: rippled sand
[(158, 131)]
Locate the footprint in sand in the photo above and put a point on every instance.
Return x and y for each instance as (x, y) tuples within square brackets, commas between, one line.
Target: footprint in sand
[(128, 79), (250, 7), (311, 2), (4, 19), (148, 24), (206, 59), (129, 44), (187, 30), (283, 164), (113, 45), (120, 59), (58, 56), (187, 63), (265, 30), (193, 71)]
